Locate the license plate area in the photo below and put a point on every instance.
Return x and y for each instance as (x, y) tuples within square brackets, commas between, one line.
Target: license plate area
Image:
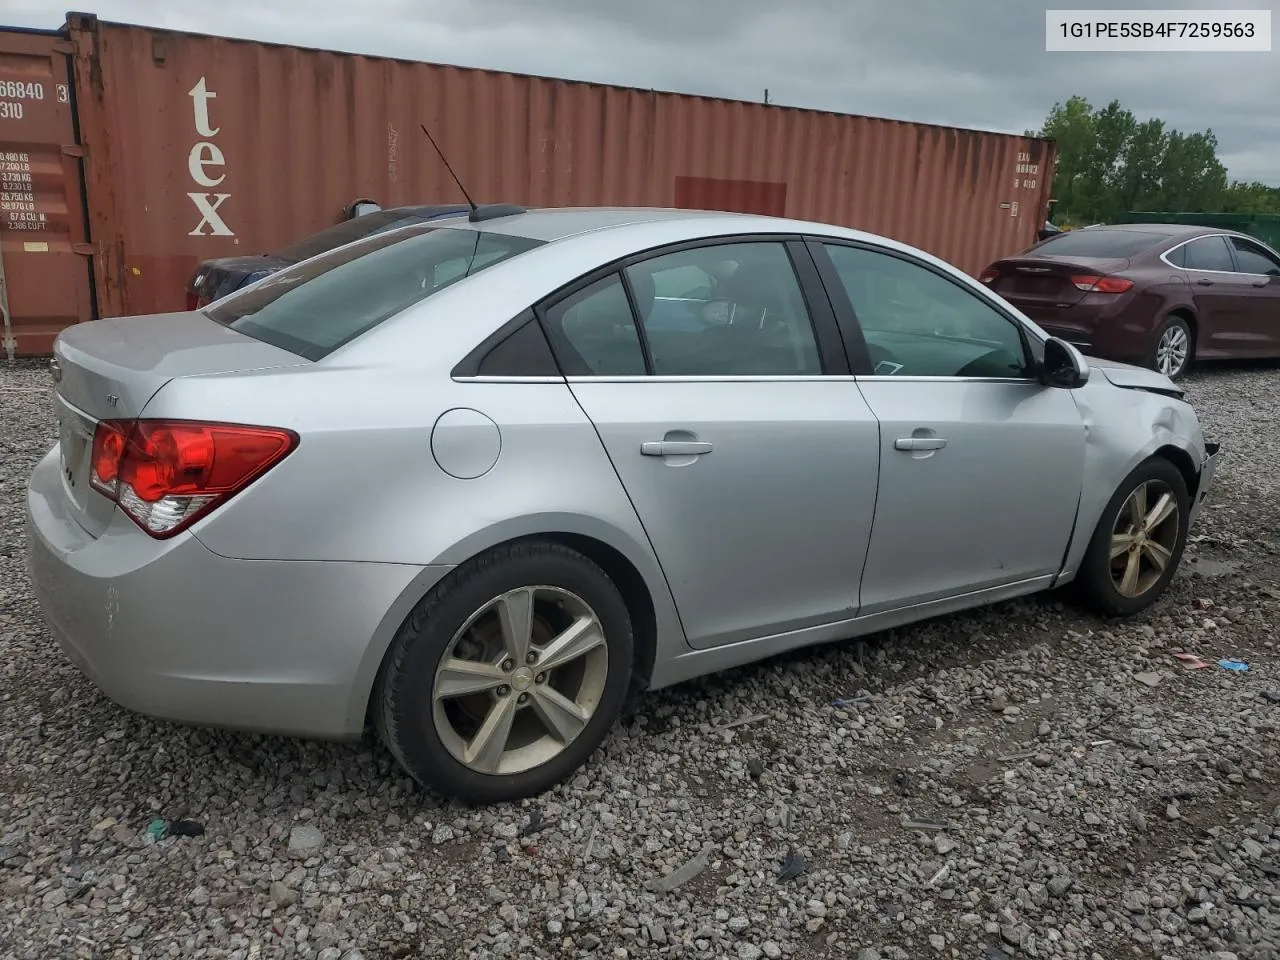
[(75, 447)]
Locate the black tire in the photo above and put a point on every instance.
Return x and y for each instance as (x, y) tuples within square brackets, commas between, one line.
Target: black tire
[(1174, 323), (1095, 584), (402, 704)]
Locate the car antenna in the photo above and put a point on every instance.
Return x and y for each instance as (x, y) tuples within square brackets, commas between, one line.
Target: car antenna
[(487, 212), (471, 203)]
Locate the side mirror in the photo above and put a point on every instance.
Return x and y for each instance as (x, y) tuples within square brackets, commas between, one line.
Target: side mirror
[(1063, 365), (360, 207)]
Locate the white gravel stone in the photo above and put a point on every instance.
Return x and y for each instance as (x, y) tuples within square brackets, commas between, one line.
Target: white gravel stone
[(305, 840)]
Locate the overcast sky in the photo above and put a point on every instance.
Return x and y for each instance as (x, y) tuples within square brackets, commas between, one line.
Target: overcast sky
[(973, 63)]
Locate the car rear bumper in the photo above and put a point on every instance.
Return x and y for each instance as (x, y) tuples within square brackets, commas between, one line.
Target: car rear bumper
[(1116, 328), (1208, 471), (175, 631)]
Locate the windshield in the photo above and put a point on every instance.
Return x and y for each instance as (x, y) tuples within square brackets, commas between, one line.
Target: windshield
[(347, 232), (315, 307), (1103, 244)]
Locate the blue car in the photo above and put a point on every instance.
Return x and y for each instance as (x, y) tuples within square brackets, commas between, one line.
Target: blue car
[(215, 279)]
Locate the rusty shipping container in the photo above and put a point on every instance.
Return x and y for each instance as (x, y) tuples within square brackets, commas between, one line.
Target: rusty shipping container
[(44, 257), (195, 146)]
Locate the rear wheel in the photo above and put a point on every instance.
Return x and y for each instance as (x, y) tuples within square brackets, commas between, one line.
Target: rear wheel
[(1174, 348), (1138, 542), (507, 675)]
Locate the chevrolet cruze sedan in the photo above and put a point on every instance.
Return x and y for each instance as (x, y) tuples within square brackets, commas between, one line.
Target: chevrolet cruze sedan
[(480, 479)]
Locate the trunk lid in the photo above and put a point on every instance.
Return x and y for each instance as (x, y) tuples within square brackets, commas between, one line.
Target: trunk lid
[(109, 370), (1046, 281)]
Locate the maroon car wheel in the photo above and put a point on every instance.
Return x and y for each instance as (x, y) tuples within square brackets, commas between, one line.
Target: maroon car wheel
[(1174, 348)]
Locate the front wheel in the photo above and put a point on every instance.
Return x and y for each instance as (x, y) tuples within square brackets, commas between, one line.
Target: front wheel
[(1138, 542), (1174, 348), (507, 675)]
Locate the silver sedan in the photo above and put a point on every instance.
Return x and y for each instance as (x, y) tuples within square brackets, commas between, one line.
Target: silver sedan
[(480, 480)]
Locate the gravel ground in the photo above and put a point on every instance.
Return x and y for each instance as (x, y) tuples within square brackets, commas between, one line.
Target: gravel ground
[(1022, 781)]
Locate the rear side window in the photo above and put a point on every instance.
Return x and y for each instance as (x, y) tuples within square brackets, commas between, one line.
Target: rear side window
[(315, 307), (1099, 243), (597, 331), (1208, 253)]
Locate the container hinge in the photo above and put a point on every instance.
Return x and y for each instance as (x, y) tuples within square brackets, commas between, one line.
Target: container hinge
[(65, 47), (72, 150), (85, 249)]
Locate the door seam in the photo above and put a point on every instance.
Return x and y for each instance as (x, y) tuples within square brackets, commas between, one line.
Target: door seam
[(636, 510)]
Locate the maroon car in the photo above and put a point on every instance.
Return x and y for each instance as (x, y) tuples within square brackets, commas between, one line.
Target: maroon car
[(1159, 295)]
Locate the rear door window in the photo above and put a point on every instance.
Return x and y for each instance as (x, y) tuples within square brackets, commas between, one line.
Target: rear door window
[(315, 307), (1208, 253), (725, 310)]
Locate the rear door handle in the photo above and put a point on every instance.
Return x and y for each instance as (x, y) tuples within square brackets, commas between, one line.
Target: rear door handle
[(1261, 283), (674, 448), (1204, 282), (919, 443)]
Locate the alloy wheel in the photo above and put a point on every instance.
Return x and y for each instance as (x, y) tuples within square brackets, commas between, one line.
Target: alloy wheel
[(1143, 538), (1172, 350), (520, 680)]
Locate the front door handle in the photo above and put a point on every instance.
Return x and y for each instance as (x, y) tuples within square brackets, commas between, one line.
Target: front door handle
[(1261, 283), (919, 443), (674, 448)]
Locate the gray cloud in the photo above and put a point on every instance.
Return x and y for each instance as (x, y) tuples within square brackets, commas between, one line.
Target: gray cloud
[(973, 63)]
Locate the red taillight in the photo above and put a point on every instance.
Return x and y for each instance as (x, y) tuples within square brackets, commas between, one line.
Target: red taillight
[(1095, 284), (108, 449), (989, 275), (166, 474)]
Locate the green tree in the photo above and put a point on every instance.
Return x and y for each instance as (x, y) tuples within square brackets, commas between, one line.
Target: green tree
[(1252, 197), (1108, 162)]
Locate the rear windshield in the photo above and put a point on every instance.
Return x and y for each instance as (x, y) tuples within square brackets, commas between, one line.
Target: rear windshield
[(347, 232), (315, 307), (1103, 244)]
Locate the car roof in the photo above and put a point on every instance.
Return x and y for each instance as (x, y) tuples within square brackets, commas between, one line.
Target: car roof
[(560, 223), (1179, 230)]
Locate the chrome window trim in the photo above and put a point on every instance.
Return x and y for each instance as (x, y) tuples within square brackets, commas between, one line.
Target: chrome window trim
[(844, 378), (878, 378), (1164, 257), (510, 379), (725, 378)]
